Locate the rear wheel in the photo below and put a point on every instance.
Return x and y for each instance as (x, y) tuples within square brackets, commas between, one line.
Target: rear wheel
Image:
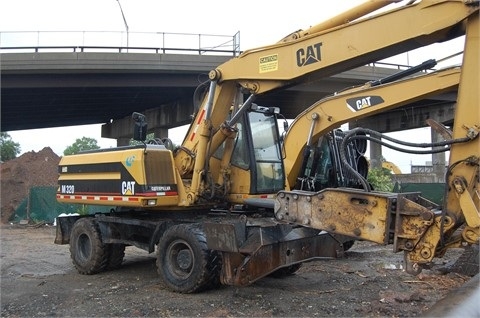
[(87, 251), (184, 262)]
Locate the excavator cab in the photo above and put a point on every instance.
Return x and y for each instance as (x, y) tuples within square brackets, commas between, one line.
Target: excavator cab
[(257, 166), (257, 150)]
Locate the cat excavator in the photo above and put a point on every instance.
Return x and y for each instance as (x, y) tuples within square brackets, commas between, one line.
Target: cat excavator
[(239, 200)]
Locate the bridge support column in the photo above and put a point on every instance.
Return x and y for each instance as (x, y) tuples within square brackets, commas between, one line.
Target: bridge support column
[(122, 141), (160, 132), (438, 159), (375, 155)]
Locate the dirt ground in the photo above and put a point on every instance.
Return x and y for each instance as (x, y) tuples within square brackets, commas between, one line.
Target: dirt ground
[(39, 280)]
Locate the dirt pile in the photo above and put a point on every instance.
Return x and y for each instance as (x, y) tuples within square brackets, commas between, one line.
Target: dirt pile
[(20, 174)]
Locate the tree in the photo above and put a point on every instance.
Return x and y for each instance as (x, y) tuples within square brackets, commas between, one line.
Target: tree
[(9, 148), (134, 142), (85, 143), (152, 140), (380, 179)]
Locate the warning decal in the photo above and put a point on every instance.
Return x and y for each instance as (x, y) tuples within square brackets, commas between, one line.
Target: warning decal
[(268, 63)]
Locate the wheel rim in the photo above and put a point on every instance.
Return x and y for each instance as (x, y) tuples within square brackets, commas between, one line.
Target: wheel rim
[(180, 259), (84, 247)]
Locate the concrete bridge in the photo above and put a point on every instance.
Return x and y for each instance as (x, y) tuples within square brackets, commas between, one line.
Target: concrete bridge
[(55, 89), (42, 90)]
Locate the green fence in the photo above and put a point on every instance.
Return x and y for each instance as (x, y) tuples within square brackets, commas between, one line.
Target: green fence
[(431, 191), (41, 205)]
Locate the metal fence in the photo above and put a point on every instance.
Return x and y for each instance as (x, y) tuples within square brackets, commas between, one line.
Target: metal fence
[(131, 42), (41, 205), (119, 42)]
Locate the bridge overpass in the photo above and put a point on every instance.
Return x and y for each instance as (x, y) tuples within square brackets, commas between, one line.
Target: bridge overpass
[(56, 89), (41, 90)]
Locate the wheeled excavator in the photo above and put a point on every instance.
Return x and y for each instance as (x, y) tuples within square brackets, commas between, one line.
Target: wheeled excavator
[(239, 200)]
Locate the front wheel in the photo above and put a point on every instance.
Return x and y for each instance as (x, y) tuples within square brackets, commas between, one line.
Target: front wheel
[(87, 251), (116, 253), (184, 262)]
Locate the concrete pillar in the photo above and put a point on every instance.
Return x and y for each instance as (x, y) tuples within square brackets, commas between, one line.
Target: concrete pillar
[(123, 142), (375, 155), (160, 132), (438, 159)]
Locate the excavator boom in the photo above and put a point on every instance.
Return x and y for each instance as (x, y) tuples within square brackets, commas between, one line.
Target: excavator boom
[(318, 53), (332, 112), (418, 227)]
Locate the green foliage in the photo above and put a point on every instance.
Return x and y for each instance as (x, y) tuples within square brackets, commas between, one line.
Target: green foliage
[(380, 179), (134, 142), (9, 148), (83, 144), (152, 140), (83, 209)]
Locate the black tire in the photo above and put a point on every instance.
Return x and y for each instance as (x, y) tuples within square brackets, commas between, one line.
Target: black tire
[(184, 262), (348, 245), (286, 271), (116, 253), (87, 251)]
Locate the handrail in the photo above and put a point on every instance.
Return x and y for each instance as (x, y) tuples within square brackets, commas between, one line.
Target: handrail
[(121, 49), (158, 42), (164, 38)]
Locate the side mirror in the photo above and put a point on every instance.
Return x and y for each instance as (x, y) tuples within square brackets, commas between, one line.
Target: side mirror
[(140, 128)]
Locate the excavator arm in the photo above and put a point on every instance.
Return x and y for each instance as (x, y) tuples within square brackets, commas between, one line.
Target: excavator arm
[(329, 48), (463, 174), (412, 224), (392, 167), (332, 112), (332, 49)]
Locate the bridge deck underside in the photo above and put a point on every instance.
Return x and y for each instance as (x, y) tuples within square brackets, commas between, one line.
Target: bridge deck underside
[(40, 91)]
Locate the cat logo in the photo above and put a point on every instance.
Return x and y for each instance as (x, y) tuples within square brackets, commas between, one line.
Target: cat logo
[(309, 55), (362, 102), (128, 187)]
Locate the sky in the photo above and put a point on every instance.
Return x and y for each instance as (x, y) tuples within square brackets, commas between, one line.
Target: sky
[(259, 23)]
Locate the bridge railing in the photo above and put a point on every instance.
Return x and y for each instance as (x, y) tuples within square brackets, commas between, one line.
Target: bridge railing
[(131, 42), (119, 42)]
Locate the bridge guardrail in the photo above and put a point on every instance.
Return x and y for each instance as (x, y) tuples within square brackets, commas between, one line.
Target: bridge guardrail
[(131, 42), (117, 41)]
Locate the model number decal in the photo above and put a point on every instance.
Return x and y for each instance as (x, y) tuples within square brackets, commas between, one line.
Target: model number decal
[(161, 188), (68, 188)]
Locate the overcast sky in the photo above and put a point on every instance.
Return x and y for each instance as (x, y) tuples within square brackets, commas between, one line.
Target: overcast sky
[(259, 23)]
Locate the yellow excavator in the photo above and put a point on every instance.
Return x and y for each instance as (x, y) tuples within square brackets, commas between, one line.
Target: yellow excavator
[(238, 200), (392, 167)]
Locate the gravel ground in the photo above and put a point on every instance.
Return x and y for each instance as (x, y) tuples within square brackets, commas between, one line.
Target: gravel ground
[(39, 280)]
